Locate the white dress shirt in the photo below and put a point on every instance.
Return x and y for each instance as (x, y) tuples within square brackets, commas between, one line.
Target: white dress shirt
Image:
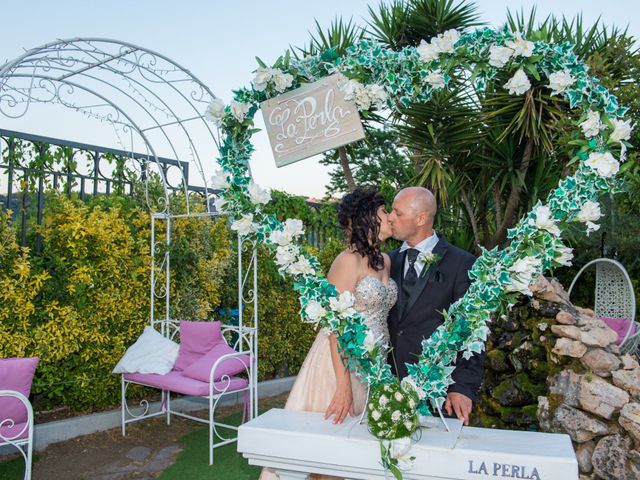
[(425, 246)]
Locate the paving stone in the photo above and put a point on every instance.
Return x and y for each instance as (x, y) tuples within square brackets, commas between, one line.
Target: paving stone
[(138, 453)]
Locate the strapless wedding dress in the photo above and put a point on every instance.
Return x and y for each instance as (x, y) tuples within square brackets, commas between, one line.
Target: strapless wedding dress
[(316, 382)]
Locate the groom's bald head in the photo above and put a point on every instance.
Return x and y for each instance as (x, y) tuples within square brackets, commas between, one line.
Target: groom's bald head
[(413, 214), (420, 200)]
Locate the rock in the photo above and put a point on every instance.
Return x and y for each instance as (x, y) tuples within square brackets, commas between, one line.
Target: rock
[(628, 362), (566, 383), (629, 380), (549, 290), (600, 362), (565, 318), (497, 360), (630, 419), (594, 336), (580, 426), (610, 457), (567, 331), (587, 312), (569, 348), (600, 397), (584, 451)]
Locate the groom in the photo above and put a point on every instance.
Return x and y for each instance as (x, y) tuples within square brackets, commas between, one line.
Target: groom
[(425, 291)]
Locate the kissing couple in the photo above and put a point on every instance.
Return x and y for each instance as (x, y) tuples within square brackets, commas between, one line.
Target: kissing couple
[(401, 295)]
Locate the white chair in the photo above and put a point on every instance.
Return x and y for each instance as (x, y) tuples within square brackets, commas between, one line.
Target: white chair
[(245, 346), (18, 433), (615, 300)]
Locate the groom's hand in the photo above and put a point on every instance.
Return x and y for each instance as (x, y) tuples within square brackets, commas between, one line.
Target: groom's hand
[(459, 403)]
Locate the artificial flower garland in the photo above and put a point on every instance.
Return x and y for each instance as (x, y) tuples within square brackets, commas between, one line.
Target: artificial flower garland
[(380, 78)]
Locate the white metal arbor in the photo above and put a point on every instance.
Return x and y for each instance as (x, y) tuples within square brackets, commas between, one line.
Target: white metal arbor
[(154, 106)]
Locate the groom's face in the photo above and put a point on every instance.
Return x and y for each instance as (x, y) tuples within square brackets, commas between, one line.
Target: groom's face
[(403, 219)]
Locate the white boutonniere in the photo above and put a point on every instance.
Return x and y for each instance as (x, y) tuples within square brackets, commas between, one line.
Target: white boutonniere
[(427, 260)]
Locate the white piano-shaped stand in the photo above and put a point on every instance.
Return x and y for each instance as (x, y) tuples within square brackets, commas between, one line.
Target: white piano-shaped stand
[(298, 443)]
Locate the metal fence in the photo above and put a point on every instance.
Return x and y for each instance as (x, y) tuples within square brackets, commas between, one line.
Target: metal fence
[(30, 165)]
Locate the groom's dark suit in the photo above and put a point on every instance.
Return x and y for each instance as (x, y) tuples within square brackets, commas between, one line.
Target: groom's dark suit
[(418, 312)]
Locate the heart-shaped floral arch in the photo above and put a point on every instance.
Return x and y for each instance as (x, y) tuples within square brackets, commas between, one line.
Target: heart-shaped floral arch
[(381, 78)]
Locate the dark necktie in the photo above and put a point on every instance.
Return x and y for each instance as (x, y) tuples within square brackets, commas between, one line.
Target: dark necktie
[(411, 277)]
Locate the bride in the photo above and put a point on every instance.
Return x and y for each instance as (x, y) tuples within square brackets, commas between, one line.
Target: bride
[(324, 384)]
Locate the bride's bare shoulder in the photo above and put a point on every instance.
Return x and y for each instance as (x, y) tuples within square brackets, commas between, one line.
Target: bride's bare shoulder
[(347, 259)]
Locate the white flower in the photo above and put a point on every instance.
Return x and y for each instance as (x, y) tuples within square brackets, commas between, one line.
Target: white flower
[(239, 110), (281, 80), (563, 256), (499, 56), (445, 41), (215, 111), (375, 415), (286, 255), (245, 225), (383, 400), (604, 163), (343, 304), (219, 181), (301, 267), (219, 204), (408, 425), (293, 227), (398, 396), (371, 342), (520, 46), (621, 130), (408, 382), (522, 272), (356, 92), (261, 78), (395, 416), (412, 403), (589, 212), (428, 51), (592, 125), (258, 195), (280, 237), (315, 311), (377, 95), (518, 84), (544, 221), (560, 81), (592, 227), (399, 449), (435, 79)]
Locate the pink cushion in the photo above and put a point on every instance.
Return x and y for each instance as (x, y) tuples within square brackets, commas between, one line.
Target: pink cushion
[(19, 431), (620, 326), (178, 383), (200, 370), (16, 374), (196, 339)]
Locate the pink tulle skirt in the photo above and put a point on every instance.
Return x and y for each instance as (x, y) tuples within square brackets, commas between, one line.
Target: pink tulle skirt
[(314, 388)]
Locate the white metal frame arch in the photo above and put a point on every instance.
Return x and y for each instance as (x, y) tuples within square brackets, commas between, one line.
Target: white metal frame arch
[(123, 80)]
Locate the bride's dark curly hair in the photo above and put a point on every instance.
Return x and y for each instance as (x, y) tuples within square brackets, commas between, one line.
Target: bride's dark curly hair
[(358, 216)]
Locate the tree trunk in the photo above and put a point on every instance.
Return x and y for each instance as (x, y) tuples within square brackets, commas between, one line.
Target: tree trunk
[(473, 220), (514, 197), (344, 163)]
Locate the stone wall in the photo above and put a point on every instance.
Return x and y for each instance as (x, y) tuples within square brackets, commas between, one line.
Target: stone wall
[(552, 366)]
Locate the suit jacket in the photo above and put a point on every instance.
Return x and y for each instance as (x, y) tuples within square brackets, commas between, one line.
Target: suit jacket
[(416, 316)]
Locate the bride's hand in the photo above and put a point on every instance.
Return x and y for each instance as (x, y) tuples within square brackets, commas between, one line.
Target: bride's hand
[(342, 402)]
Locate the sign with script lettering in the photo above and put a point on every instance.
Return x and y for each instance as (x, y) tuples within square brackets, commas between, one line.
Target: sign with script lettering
[(310, 120)]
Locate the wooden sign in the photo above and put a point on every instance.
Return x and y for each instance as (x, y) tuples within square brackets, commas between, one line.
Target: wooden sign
[(310, 120)]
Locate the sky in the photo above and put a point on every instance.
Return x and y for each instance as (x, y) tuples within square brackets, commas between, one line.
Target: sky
[(218, 41)]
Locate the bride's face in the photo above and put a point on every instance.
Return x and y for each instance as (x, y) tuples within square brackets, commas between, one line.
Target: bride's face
[(385, 227)]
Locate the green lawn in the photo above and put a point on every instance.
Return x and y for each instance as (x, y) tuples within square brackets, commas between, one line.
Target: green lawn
[(193, 462)]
